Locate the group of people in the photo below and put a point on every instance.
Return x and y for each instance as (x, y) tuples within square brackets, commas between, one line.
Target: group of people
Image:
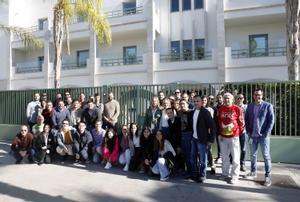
[(176, 137)]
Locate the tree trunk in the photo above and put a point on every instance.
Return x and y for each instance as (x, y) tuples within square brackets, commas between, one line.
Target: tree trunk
[(58, 34), (292, 30)]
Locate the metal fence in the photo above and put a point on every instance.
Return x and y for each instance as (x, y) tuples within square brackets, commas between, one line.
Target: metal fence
[(134, 99)]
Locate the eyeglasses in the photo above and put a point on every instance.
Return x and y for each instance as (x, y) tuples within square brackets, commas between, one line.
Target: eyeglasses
[(240, 98)]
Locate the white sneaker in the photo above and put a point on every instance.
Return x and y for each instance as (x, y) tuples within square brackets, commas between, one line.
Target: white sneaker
[(268, 182), (233, 181), (125, 168), (107, 166), (164, 178)]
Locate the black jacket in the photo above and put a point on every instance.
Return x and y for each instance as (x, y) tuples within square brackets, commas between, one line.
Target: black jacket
[(175, 132), (206, 128)]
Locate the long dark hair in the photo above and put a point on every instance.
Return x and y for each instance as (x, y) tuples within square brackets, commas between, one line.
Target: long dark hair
[(130, 132), (110, 143), (159, 146), (143, 139)]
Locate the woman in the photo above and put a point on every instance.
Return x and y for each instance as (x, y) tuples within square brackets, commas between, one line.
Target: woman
[(135, 138), (127, 148), (163, 156), (110, 149), (44, 145), (146, 142)]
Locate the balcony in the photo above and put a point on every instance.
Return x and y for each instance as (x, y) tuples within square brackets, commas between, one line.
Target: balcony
[(188, 56), (28, 67), (237, 12), (122, 61), (259, 52), (124, 12)]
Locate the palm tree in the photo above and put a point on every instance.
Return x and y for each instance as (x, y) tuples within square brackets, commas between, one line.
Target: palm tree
[(64, 10), (293, 31)]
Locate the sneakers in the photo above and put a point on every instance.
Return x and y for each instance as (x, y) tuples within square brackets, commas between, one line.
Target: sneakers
[(125, 168), (107, 166), (267, 182), (233, 181), (164, 178), (243, 168), (251, 175), (218, 161)]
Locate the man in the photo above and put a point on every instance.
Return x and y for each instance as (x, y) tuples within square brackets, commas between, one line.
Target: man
[(243, 137), (185, 97), (210, 157), (90, 115), (82, 143), (75, 113), (231, 126), (174, 137), (60, 113), (177, 94), (111, 112), (259, 123), (153, 114), (219, 99), (204, 132), (22, 145), (39, 126), (98, 103), (47, 113), (65, 139), (33, 109), (161, 97)]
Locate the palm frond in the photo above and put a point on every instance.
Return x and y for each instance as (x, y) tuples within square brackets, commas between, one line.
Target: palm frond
[(28, 39), (93, 13)]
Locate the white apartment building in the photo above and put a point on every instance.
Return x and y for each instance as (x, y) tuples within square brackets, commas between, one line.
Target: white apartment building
[(153, 42)]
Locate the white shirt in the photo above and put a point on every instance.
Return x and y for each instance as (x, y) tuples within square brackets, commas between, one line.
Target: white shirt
[(195, 118), (136, 141)]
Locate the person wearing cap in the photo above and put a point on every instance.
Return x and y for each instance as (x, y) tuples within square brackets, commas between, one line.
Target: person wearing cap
[(177, 94), (231, 126)]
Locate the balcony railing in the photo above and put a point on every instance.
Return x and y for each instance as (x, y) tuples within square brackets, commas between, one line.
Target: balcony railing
[(111, 14), (29, 67), (73, 65), (259, 52), (187, 56), (124, 12), (122, 61)]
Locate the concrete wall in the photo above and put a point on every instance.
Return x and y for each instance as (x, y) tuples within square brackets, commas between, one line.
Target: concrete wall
[(239, 4)]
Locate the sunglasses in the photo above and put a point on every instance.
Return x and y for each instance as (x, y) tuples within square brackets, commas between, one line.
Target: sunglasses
[(240, 98)]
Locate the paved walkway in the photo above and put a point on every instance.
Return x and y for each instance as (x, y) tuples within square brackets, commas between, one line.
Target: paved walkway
[(76, 182)]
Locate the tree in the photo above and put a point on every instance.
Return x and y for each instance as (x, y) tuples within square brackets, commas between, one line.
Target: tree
[(292, 31), (64, 10)]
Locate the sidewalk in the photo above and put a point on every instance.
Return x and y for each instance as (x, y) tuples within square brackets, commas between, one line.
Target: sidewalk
[(78, 182)]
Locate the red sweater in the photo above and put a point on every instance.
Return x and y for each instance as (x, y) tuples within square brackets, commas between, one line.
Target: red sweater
[(231, 121), (22, 143)]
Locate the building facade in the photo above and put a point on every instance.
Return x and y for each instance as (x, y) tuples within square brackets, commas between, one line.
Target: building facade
[(153, 42)]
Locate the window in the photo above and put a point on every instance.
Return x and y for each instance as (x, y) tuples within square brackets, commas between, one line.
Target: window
[(129, 8), (174, 5), (129, 54), (40, 61), (186, 5), (41, 23), (198, 4), (199, 49), (82, 56), (258, 45), (175, 50), (187, 49)]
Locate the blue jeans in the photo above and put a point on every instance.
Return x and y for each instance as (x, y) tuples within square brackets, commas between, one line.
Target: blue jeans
[(264, 143), (202, 150), (243, 139), (186, 138)]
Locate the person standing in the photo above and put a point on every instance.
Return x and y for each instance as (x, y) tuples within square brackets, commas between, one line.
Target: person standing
[(153, 114), (231, 125), (240, 102), (33, 110), (59, 114), (111, 113), (259, 123), (204, 131)]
